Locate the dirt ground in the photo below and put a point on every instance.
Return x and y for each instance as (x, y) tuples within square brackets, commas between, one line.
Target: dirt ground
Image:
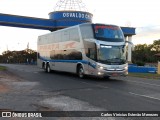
[(6, 76)]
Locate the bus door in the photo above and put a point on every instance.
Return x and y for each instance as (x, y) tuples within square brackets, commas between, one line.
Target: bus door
[(91, 60)]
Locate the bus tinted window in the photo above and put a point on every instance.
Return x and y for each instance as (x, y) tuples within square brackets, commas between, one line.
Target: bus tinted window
[(57, 37), (108, 33), (65, 36), (66, 55), (86, 31), (74, 35)]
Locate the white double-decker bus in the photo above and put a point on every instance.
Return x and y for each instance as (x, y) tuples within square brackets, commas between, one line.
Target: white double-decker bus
[(85, 49)]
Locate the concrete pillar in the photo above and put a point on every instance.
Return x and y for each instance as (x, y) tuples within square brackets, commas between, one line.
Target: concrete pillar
[(129, 50), (126, 38), (158, 68)]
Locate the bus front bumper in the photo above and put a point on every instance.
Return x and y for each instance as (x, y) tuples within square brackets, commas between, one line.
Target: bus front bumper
[(112, 73)]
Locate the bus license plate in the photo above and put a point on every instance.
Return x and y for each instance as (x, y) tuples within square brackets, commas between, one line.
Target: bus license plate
[(114, 74)]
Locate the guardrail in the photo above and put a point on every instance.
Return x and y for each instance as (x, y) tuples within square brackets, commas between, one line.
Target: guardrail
[(142, 69)]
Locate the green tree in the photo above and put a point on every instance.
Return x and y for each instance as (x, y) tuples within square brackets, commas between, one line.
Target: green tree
[(146, 53), (156, 46), (19, 56)]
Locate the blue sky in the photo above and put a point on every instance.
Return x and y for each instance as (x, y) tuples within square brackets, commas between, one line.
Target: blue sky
[(134, 13)]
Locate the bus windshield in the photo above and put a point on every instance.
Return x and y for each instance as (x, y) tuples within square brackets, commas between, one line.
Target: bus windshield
[(112, 54), (109, 33)]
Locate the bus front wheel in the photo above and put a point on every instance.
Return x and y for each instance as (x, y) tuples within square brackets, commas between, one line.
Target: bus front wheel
[(80, 72), (48, 69)]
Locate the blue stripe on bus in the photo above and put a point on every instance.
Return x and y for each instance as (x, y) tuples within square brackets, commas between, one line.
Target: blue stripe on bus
[(69, 61)]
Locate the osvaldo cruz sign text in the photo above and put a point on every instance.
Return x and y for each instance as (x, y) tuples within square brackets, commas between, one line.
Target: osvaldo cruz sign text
[(58, 15), (77, 15)]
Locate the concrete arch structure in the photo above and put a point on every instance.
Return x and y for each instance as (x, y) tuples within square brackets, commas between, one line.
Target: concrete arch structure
[(58, 20)]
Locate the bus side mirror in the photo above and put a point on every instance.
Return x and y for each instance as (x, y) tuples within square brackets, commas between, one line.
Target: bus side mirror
[(130, 43)]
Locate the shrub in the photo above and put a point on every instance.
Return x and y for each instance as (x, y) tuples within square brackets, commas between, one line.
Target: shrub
[(140, 63)]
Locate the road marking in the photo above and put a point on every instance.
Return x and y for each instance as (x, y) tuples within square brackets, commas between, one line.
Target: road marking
[(144, 96), (143, 83)]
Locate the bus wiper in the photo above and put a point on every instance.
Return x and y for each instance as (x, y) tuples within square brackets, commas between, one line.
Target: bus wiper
[(112, 59), (115, 60), (119, 59)]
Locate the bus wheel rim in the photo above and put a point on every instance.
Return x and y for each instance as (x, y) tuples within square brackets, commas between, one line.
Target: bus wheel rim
[(81, 72), (48, 69)]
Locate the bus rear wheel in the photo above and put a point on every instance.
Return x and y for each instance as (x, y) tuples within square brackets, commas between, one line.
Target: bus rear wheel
[(81, 72)]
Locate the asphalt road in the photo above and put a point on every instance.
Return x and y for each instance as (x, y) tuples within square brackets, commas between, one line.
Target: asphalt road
[(66, 91)]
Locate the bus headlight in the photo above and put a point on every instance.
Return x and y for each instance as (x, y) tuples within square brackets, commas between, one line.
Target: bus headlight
[(99, 73), (126, 68), (100, 67)]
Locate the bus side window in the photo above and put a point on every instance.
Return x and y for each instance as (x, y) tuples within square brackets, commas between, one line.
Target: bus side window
[(52, 54), (65, 36), (74, 35), (92, 53)]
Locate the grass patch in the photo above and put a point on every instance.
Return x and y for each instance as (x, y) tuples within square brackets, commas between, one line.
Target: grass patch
[(145, 75), (2, 68)]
